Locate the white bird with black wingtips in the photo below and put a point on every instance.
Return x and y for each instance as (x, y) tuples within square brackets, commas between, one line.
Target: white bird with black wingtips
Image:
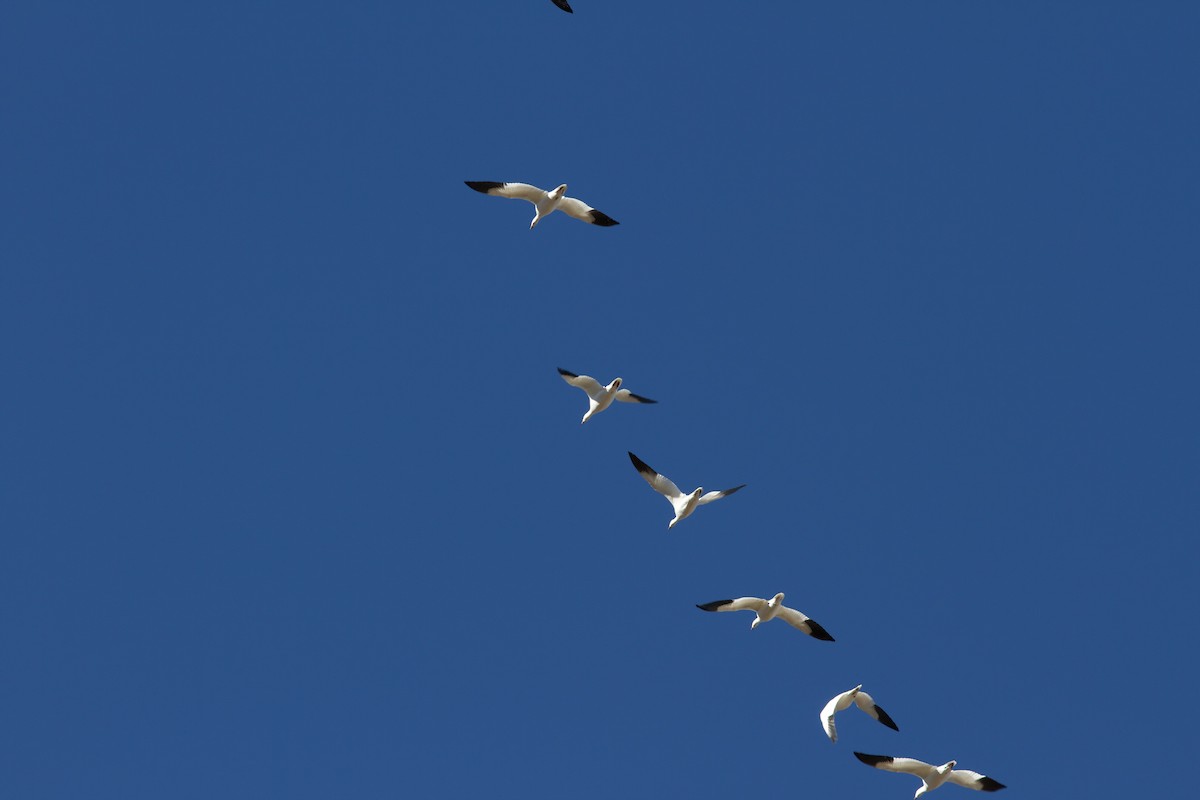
[(684, 504), (545, 202), (601, 397), (767, 610), (858, 697), (932, 777)]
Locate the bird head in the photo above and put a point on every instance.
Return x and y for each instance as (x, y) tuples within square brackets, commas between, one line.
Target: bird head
[(559, 191)]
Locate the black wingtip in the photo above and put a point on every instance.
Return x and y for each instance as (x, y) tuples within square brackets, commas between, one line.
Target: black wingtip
[(885, 719), (564, 5), (602, 219), (713, 606), (871, 760), (987, 784), (728, 492), (565, 373), (483, 186), (640, 465), (818, 632)]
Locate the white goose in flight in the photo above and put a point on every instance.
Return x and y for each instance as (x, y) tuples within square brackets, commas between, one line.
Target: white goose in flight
[(767, 610), (932, 777), (546, 203), (858, 697), (684, 504), (601, 397)]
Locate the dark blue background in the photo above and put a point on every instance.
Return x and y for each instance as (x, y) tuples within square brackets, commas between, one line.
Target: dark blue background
[(295, 505)]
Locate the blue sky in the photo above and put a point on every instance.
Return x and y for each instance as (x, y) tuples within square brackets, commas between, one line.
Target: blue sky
[(295, 505)]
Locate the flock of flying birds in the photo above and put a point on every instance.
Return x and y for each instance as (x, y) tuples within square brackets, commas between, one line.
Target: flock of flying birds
[(601, 397)]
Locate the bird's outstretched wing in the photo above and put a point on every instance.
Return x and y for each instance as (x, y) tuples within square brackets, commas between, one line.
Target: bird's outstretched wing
[(797, 620), (740, 604), (827, 714), (585, 382), (892, 764), (661, 483), (973, 780), (867, 704), (582, 211), (626, 396), (708, 497), (513, 191)]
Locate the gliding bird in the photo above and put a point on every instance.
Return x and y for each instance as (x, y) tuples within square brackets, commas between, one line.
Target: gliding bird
[(843, 701), (601, 397), (932, 777), (684, 504), (546, 203), (767, 610)]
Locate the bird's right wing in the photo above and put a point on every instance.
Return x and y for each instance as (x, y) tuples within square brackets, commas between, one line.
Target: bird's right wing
[(661, 483), (910, 765), (585, 382), (564, 5), (513, 191), (754, 604), (827, 714)]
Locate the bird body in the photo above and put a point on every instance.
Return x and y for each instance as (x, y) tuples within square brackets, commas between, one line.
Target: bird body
[(545, 203), (684, 504), (932, 777), (841, 702), (601, 397), (767, 610)]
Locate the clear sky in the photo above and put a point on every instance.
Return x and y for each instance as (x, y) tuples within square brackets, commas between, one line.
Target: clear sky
[(294, 504)]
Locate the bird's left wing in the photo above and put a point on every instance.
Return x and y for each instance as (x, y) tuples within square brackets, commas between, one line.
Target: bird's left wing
[(797, 620), (708, 497), (973, 780), (581, 210), (867, 704), (626, 396)]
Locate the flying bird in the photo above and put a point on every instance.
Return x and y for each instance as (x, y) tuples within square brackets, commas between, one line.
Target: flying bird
[(767, 610), (932, 777), (684, 504), (859, 698), (601, 397), (564, 5), (546, 203)]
